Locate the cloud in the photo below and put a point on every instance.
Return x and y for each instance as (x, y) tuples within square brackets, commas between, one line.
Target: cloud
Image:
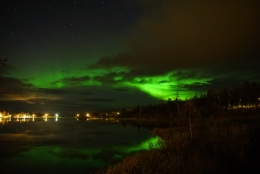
[(86, 93), (200, 34), (119, 77), (122, 89), (53, 91), (109, 62), (187, 46), (99, 100), (14, 89), (64, 91), (73, 81), (198, 87), (109, 78), (17, 94)]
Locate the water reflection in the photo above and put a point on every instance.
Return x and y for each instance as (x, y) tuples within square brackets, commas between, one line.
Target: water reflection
[(4, 121), (67, 145), (24, 120)]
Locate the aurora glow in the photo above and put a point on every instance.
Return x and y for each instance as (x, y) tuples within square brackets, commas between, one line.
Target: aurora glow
[(80, 56)]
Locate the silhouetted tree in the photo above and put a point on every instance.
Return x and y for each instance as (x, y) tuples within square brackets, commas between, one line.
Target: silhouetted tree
[(3, 61), (224, 98)]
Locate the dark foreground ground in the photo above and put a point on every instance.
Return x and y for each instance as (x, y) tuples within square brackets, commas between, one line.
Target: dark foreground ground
[(253, 165), (225, 145), (221, 145)]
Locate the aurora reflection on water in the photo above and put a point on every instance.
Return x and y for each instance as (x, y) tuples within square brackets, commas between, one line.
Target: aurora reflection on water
[(68, 145)]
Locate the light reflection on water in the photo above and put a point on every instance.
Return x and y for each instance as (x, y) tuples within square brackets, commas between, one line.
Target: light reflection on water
[(65, 145)]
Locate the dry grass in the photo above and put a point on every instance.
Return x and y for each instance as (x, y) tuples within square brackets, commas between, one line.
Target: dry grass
[(217, 146)]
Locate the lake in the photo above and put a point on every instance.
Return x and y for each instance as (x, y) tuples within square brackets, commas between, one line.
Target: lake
[(66, 145)]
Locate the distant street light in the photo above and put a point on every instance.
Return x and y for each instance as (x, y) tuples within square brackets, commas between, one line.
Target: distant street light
[(56, 119)]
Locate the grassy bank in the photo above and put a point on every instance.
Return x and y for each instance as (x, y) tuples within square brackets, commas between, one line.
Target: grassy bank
[(222, 145)]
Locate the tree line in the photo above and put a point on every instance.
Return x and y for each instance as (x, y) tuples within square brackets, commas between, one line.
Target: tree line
[(245, 95)]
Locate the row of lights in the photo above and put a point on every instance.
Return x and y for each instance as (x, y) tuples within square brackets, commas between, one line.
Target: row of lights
[(56, 115), (1, 116), (87, 115), (46, 115), (26, 116)]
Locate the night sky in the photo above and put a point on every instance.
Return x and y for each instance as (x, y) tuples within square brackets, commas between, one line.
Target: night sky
[(70, 56)]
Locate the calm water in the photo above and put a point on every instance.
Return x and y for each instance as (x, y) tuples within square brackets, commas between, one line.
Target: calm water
[(66, 145)]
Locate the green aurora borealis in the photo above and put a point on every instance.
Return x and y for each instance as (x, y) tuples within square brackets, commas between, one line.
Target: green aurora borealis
[(79, 56), (161, 87)]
